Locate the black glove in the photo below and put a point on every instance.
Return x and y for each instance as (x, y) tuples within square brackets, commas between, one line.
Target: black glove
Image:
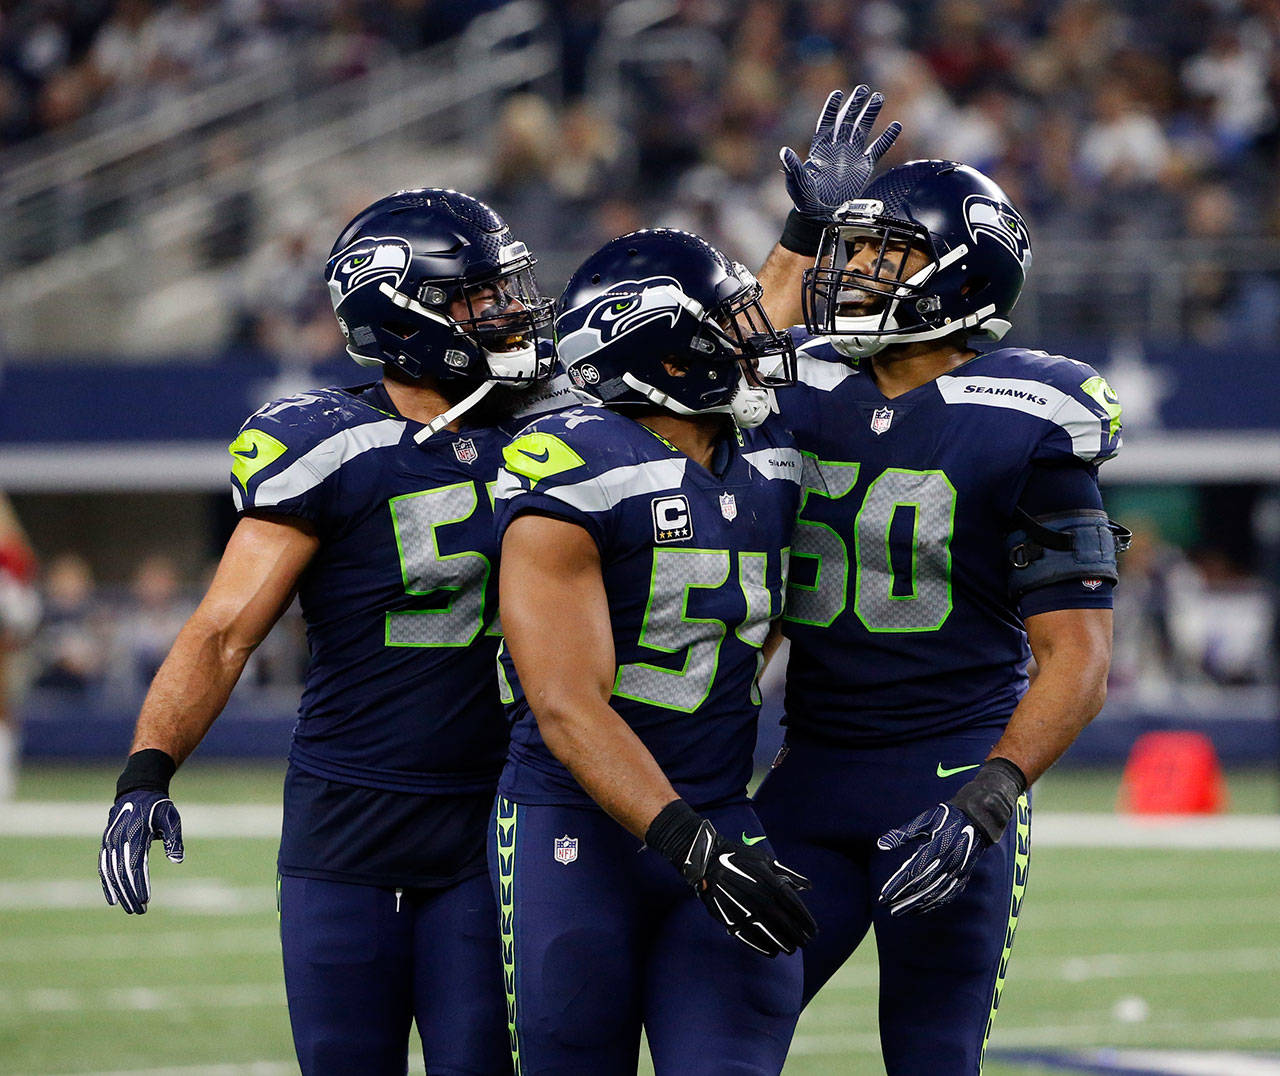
[(142, 811), (745, 889), (956, 833)]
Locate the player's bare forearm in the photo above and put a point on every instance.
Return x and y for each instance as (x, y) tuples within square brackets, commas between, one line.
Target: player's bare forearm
[(1072, 648), (781, 277), (772, 641), (552, 591), (255, 582)]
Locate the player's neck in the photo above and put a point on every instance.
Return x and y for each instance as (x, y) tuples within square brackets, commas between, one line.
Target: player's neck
[(908, 366), (694, 435), (420, 400)]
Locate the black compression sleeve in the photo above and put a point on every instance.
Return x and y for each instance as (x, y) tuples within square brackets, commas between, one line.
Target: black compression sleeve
[(148, 769)]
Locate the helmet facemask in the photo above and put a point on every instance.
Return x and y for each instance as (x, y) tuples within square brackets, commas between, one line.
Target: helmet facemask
[(507, 318), (733, 356), (863, 312), (499, 319)]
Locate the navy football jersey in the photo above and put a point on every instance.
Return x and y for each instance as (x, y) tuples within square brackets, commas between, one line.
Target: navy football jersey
[(898, 608), (694, 565), (400, 600)]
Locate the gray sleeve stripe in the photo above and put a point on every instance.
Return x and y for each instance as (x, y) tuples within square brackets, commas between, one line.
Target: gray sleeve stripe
[(776, 463), (1032, 398), (604, 491), (820, 373), (237, 496), (309, 470)]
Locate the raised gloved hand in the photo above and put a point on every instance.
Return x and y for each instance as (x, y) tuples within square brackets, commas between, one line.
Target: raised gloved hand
[(839, 165)]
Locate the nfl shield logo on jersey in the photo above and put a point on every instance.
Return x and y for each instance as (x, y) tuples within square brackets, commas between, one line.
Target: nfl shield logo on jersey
[(728, 507), (881, 419), (566, 849), (465, 450)]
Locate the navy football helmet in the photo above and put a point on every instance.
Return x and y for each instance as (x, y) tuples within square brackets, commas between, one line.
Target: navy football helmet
[(661, 296), (431, 282), (978, 249)]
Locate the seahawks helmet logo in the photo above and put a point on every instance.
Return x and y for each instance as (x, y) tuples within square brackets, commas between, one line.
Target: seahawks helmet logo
[(366, 261), (624, 308), (999, 221)]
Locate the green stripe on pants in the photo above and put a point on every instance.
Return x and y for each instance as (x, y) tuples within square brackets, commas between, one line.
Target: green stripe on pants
[(506, 830), (1021, 860)]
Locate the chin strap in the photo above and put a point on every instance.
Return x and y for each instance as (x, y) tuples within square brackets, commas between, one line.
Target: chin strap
[(456, 411), (748, 407)]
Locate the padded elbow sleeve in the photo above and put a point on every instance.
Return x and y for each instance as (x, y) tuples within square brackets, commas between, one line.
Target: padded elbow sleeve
[(1063, 546)]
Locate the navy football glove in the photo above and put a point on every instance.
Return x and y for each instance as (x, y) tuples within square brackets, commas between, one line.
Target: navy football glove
[(749, 893), (142, 811), (839, 165), (956, 833)]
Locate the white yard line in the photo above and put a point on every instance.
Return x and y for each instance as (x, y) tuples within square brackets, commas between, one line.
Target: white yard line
[(1048, 911), (1244, 832), (69, 1001), (248, 1068), (193, 896), (1081, 1036), (1051, 830), (1198, 963), (57, 818), (219, 941)]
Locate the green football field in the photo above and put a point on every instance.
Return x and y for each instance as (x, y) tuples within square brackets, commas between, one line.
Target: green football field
[(1170, 948)]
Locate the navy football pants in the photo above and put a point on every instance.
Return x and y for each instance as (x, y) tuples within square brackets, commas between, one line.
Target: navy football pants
[(941, 973), (360, 966), (611, 937)]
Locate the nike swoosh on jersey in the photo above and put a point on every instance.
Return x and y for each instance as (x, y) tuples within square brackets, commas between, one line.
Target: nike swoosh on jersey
[(749, 841), (245, 454), (537, 457), (943, 771)]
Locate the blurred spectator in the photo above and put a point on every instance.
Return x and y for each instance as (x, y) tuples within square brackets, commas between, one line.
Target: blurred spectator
[(284, 306), (1222, 304), (964, 52), (71, 647), (146, 627), (19, 614), (1221, 621), (232, 213), (1124, 146), (1234, 78), (1142, 662), (1102, 118)]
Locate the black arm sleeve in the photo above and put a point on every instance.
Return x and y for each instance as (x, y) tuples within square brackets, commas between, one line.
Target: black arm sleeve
[(1051, 491)]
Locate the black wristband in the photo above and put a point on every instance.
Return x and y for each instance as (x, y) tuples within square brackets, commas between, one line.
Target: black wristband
[(802, 235), (989, 799), (149, 769), (671, 833)]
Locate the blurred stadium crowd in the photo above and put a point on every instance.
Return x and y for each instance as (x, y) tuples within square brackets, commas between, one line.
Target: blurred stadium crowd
[(1116, 120), (1103, 119), (1183, 620)]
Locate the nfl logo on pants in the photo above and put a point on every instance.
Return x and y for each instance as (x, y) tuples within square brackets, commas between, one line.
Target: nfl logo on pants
[(566, 849)]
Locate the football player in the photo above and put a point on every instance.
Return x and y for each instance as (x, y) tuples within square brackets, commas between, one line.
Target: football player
[(644, 552), (951, 528), (372, 504)]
